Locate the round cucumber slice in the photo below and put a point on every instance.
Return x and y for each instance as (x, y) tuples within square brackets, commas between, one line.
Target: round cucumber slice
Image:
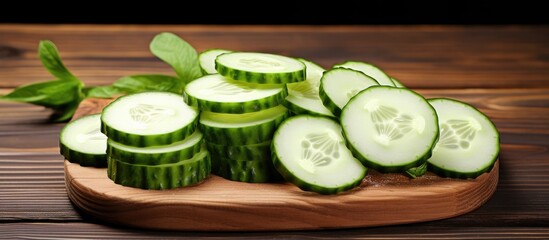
[(303, 97), (156, 155), (390, 129), (148, 119), (184, 173), (241, 129), (260, 68), (468, 144), (310, 152), (372, 71), (339, 85), (255, 152), (215, 93), (80, 141), (207, 60)]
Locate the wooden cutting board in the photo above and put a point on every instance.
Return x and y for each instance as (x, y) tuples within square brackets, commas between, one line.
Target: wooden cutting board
[(223, 205)]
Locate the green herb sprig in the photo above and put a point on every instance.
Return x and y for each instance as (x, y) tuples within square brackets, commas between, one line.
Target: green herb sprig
[(66, 91)]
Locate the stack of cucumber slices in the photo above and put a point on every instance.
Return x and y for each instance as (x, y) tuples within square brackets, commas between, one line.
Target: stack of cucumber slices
[(241, 109), (259, 117)]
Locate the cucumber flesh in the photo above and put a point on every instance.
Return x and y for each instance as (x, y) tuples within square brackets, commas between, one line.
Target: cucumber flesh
[(184, 173), (303, 97), (381, 77), (468, 144), (397, 83), (216, 93), (390, 129), (310, 152), (339, 85), (156, 155), (241, 129), (313, 71), (82, 142), (260, 68), (416, 172), (148, 119), (207, 60)]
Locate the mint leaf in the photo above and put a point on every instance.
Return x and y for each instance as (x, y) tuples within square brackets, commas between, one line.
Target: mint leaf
[(47, 51), (101, 91), (141, 83), (65, 112), (417, 171), (49, 94), (179, 54)]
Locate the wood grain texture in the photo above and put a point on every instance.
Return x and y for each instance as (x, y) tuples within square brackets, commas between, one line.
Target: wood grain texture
[(502, 70), (410, 231), (421, 57), (222, 205)]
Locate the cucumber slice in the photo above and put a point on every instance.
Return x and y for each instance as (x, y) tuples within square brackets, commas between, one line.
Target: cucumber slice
[(313, 71), (339, 85), (381, 77), (148, 119), (255, 152), (184, 173), (260, 68), (156, 155), (80, 141), (241, 129), (303, 97), (397, 83), (390, 129), (468, 145), (207, 60), (216, 93), (310, 152), (245, 170)]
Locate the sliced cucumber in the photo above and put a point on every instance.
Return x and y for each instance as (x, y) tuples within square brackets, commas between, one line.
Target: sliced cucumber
[(260, 68), (156, 155), (310, 152), (381, 77), (148, 119), (184, 173), (241, 129), (256, 152), (341, 84), (207, 60), (397, 83), (313, 71), (81, 142), (245, 170), (216, 93), (390, 129), (303, 96), (468, 144)]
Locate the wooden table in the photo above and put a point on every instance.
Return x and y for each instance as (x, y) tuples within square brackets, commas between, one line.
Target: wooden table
[(503, 70)]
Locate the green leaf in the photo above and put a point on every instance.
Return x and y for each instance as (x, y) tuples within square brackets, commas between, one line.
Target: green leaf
[(141, 83), (64, 113), (49, 94), (417, 171), (47, 51), (177, 53), (101, 91)]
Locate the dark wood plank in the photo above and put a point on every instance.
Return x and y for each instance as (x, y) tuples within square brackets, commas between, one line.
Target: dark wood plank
[(420, 56), (97, 231), (31, 169)]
